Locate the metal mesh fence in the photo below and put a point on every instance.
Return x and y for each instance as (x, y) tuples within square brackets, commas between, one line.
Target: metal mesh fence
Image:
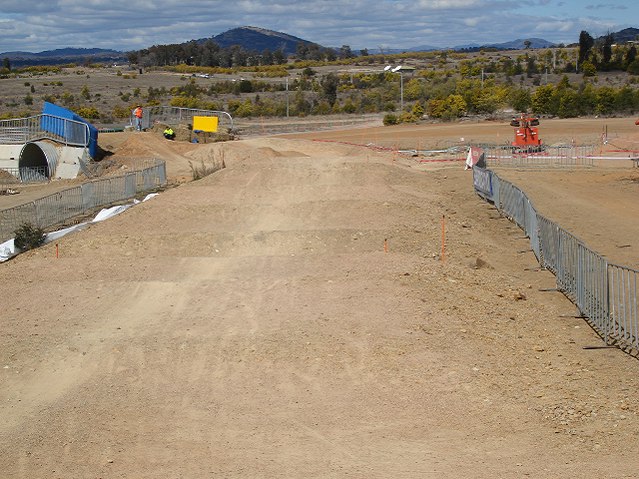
[(26, 174), (623, 327), (606, 294), (550, 157), (59, 207), (170, 114)]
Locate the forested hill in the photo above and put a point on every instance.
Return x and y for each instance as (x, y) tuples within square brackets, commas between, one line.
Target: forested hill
[(258, 39), (64, 55), (625, 35)]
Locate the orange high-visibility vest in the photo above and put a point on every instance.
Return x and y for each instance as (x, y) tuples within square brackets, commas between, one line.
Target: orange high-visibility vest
[(138, 112)]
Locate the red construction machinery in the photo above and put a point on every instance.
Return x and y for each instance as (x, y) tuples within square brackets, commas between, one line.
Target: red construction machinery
[(526, 134)]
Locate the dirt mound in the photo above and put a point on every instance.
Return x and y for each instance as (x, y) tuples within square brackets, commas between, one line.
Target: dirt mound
[(136, 146), (145, 144), (180, 156), (6, 176), (271, 153), (293, 147)]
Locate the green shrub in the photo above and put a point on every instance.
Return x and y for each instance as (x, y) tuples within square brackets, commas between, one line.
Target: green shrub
[(390, 119), (407, 117), (88, 112), (633, 68), (588, 69), (28, 236), (121, 112)]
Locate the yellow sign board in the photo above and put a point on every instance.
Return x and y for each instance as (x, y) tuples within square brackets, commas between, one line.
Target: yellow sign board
[(205, 123)]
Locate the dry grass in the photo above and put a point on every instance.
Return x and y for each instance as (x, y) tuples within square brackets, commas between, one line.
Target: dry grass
[(207, 168)]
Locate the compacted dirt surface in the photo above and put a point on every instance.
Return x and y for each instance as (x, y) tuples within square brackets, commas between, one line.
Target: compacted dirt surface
[(313, 309)]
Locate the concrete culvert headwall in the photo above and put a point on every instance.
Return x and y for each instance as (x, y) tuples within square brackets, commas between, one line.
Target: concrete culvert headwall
[(38, 159)]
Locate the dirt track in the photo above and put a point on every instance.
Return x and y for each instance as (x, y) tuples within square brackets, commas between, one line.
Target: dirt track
[(291, 316)]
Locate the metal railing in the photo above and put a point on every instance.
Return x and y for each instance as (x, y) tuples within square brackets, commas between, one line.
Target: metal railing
[(59, 207), (623, 325), (44, 126), (25, 174), (605, 293), (170, 114), (550, 157)]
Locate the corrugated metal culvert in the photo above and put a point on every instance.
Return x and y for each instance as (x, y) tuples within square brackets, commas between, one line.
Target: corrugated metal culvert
[(38, 158)]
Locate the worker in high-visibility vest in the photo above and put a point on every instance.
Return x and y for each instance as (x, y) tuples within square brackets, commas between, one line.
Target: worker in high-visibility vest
[(138, 113), (169, 134)]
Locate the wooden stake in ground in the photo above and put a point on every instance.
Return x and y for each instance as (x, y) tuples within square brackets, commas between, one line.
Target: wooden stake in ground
[(443, 255)]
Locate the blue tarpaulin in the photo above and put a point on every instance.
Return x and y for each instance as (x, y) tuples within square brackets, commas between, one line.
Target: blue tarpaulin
[(51, 122)]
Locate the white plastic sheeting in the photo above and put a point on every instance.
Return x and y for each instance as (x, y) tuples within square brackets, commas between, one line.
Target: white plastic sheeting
[(8, 249)]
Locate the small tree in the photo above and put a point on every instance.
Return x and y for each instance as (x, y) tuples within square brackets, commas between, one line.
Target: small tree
[(542, 100), (585, 45), (631, 55), (346, 52), (329, 88), (588, 69), (520, 99), (633, 67), (606, 52), (531, 66)]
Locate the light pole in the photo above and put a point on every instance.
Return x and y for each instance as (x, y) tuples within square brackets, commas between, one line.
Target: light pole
[(286, 97), (398, 69)]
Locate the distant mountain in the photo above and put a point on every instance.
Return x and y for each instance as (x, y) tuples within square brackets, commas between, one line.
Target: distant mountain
[(625, 35), (389, 51), (64, 55), (468, 46), (518, 44), (258, 39), (424, 48)]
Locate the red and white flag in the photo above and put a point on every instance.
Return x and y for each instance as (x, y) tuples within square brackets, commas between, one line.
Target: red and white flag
[(475, 156)]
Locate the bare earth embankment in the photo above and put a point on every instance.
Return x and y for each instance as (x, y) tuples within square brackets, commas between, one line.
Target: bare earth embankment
[(291, 316)]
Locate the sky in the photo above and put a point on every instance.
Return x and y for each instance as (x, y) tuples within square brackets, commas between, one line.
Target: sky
[(125, 25)]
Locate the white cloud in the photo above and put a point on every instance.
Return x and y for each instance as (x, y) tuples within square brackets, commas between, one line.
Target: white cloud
[(37, 25), (474, 21), (606, 6), (554, 26), (448, 4)]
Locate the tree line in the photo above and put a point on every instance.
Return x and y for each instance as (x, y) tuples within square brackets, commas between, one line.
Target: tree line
[(595, 77), (604, 55), (441, 97), (435, 93), (210, 54)]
